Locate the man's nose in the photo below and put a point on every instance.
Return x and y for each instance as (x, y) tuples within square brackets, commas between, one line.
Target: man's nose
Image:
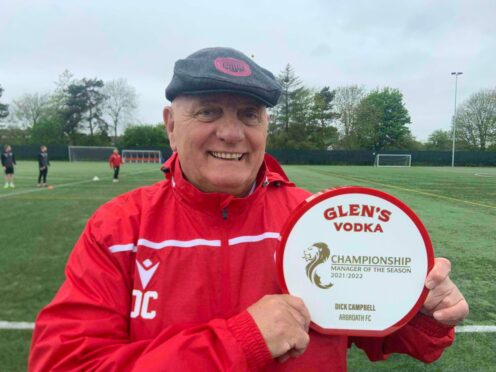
[(230, 129)]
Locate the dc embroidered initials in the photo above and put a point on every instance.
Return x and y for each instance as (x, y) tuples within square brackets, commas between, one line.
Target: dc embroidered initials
[(142, 299), (142, 304)]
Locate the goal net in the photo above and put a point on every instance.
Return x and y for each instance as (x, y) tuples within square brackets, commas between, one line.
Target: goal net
[(90, 153), (141, 156), (393, 160)]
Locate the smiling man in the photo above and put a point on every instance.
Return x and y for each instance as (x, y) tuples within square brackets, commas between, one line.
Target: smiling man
[(220, 140), (180, 275)]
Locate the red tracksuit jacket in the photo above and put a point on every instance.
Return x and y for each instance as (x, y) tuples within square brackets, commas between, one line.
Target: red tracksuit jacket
[(115, 160), (161, 277)]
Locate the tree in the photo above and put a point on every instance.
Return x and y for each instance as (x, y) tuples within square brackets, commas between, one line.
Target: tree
[(381, 120), (476, 120), (30, 108), (120, 103), (346, 102), (322, 116), (83, 104), (14, 135), (48, 130), (144, 135), (4, 109), (439, 140), (290, 84), (59, 97), (290, 118)]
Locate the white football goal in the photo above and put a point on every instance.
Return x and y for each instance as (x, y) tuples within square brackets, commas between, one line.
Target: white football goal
[(393, 160), (141, 156), (90, 153)]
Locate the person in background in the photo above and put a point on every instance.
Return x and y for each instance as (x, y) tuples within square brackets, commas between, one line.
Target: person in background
[(8, 162), (115, 161), (43, 164)]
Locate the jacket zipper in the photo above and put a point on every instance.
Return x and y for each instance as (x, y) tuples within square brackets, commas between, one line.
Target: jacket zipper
[(226, 276)]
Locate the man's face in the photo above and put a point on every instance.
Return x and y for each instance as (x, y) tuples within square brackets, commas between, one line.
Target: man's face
[(220, 140)]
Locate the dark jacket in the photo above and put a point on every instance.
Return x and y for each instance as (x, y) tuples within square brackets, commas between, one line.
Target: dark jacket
[(43, 161), (8, 159)]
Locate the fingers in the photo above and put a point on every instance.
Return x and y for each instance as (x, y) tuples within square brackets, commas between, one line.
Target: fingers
[(299, 310), (444, 302), (444, 292), (283, 321), (440, 271), (453, 314), (299, 318), (283, 358), (298, 349), (441, 297), (300, 344)]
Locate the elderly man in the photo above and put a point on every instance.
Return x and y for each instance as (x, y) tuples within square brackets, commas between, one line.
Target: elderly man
[(180, 275)]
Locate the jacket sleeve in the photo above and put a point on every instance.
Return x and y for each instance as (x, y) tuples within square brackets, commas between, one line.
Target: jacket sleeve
[(422, 338), (3, 160), (87, 326)]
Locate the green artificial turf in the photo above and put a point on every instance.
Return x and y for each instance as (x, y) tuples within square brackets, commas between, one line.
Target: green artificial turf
[(457, 205)]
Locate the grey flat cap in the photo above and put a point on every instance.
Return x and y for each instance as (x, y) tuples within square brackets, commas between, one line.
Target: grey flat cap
[(220, 70)]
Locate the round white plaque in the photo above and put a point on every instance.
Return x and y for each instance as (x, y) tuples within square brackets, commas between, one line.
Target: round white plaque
[(358, 258)]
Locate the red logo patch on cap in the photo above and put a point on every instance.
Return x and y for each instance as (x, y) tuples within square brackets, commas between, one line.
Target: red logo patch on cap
[(232, 66)]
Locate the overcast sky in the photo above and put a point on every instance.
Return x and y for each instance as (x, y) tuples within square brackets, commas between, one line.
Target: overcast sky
[(409, 45)]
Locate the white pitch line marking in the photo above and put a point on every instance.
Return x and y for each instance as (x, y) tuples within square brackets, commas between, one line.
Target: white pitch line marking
[(475, 329), (29, 191), (16, 193), (16, 325)]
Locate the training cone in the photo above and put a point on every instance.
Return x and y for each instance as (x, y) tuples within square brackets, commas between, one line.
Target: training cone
[(96, 178)]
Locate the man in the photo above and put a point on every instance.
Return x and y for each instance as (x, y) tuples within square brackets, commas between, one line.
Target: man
[(8, 162), (115, 162), (181, 275), (43, 164)]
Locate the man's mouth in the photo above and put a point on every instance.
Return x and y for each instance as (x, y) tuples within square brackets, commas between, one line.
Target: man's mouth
[(227, 155)]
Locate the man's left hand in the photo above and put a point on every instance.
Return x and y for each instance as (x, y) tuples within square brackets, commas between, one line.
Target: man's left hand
[(445, 302)]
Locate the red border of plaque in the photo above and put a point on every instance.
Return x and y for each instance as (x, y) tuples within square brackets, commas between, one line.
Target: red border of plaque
[(312, 201)]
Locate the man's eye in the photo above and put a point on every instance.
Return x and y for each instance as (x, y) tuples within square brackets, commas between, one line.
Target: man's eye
[(250, 117), (208, 114)]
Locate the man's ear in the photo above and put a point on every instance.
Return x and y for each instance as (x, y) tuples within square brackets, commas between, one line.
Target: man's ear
[(169, 126)]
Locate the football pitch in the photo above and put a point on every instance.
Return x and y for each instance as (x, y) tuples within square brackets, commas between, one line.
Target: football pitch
[(39, 226)]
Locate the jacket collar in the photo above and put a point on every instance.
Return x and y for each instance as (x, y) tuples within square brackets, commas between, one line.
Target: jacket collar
[(269, 175)]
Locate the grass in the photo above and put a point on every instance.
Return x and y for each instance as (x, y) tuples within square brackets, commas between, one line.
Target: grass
[(458, 207)]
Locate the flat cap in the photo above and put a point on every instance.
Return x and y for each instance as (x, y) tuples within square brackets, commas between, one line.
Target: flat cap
[(223, 70)]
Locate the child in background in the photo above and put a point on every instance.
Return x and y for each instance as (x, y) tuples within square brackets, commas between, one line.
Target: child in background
[(8, 162), (43, 164), (115, 162)]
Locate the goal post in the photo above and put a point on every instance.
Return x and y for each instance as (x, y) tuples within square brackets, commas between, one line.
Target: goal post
[(90, 153), (141, 156), (393, 160)]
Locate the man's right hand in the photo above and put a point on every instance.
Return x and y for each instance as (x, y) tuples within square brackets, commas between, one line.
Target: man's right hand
[(283, 321)]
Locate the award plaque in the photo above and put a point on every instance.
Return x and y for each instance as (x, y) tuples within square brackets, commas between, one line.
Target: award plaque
[(358, 258)]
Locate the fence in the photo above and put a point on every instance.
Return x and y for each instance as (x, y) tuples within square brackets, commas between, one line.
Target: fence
[(343, 157), (61, 152)]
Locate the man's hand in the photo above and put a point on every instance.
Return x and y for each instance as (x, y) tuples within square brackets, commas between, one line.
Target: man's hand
[(283, 321), (445, 302)]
